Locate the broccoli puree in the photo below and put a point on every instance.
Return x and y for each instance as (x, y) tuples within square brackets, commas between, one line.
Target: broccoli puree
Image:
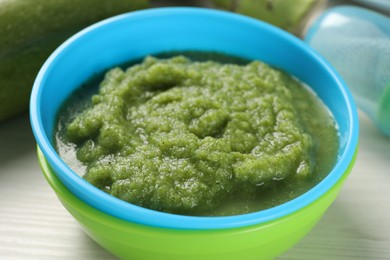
[(199, 137)]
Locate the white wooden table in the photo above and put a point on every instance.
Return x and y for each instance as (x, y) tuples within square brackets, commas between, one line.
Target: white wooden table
[(34, 225)]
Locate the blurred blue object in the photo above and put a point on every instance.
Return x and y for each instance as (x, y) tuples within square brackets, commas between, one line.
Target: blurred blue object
[(379, 4), (356, 41)]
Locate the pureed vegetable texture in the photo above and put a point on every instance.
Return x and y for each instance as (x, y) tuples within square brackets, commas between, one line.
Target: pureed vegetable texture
[(199, 138)]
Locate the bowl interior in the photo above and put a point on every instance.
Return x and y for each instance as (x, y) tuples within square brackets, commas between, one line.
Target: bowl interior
[(135, 35)]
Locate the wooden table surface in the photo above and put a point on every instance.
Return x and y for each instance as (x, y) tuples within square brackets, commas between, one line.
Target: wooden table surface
[(34, 225)]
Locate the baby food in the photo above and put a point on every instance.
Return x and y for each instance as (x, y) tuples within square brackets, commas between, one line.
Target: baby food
[(197, 137)]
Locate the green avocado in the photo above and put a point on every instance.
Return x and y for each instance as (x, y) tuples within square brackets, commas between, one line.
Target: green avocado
[(31, 30)]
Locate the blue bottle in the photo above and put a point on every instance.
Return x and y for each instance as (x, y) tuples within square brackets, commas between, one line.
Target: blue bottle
[(356, 41)]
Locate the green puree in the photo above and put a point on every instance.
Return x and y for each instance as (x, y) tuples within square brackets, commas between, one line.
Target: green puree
[(201, 138)]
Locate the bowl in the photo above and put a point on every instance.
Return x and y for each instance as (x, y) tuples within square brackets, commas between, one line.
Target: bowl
[(130, 231), (130, 240)]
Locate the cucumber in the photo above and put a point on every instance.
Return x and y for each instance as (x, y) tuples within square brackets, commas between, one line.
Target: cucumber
[(30, 30)]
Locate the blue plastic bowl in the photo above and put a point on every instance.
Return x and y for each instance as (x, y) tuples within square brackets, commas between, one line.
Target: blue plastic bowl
[(135, 35)]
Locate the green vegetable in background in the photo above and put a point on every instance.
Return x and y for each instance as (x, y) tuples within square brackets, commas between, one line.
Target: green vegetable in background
[(31, 29), (286, 14)]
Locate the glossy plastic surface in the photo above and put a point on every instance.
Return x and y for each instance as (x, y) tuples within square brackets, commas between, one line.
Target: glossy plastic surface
[(137, 34), (133, 241)]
